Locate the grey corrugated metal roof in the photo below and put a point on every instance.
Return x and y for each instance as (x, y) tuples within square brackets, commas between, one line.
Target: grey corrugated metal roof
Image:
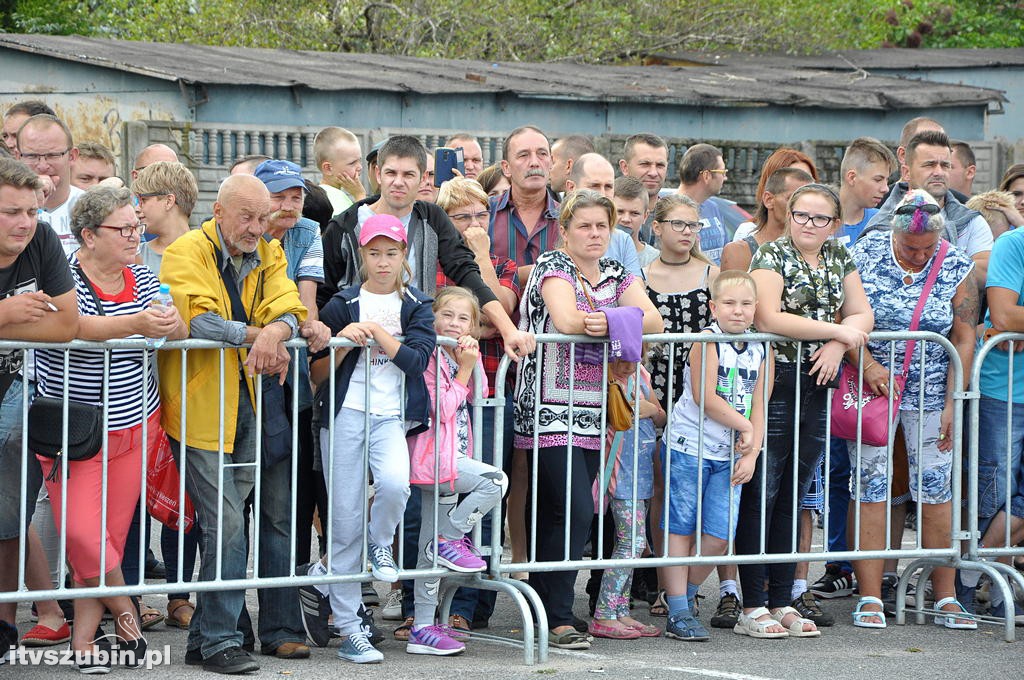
[(741, 83), (900, 58)]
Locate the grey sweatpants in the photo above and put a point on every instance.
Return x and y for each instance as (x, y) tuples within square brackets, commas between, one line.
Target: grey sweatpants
[(484, 486), (344, 471)]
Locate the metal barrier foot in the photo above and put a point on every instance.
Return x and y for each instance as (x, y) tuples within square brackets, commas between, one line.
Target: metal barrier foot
[(524, 597), (996, 571)]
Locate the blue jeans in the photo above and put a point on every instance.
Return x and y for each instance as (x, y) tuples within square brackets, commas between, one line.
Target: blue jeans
[(838, 499), (280, 618), (215, 622), (11, 499), (994, 459)]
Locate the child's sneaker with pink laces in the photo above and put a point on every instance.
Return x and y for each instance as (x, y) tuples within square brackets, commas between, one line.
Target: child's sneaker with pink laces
[(459, 555), (433, 640)]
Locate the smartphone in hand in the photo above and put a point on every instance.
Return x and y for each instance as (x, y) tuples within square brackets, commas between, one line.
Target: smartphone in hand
[(447, 159)]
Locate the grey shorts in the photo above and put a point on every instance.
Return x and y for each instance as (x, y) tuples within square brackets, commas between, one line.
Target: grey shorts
[(11, 496)]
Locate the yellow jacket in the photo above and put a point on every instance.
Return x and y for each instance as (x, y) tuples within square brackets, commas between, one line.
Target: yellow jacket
[(189, 267)]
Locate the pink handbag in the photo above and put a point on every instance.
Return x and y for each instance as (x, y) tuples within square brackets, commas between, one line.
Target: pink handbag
[(849, 398)]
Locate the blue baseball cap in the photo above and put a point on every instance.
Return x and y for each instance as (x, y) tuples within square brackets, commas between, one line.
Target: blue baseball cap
[(279, 175)]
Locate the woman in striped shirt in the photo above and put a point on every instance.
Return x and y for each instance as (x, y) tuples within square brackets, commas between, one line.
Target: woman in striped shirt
[(114, 301)]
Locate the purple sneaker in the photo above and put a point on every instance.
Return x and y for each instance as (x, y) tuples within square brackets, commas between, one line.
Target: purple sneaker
[(459, 555), (433, 640)]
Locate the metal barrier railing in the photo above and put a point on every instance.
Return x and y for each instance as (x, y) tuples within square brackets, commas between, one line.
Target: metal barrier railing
[(924, 559), (180, 581), (496, 578), (983, 558)]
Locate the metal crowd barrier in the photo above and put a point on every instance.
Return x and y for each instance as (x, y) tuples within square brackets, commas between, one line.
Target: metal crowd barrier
[(178, 582), (984, 558), (923, 559), (497, 576)]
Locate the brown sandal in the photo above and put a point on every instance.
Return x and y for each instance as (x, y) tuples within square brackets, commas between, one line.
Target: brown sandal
[(148, 617), (176, 618), (402, 632)]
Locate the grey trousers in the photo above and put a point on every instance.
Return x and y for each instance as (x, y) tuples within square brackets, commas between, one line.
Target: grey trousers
[(483, 485)]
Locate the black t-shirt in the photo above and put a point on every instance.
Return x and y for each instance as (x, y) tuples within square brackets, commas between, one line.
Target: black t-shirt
[(41, 266)]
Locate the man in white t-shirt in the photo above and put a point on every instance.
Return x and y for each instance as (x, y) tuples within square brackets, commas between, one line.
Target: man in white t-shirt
[(340, 160), (45, 145)]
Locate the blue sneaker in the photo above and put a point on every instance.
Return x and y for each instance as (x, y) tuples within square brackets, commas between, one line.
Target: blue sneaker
[(357, 649), (999, 611), (382, 563), (684, 626)]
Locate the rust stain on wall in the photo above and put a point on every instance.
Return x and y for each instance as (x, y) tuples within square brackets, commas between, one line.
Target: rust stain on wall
[(96, 119)]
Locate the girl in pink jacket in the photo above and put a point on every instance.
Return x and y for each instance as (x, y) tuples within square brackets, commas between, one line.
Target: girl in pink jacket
[(442, 466)]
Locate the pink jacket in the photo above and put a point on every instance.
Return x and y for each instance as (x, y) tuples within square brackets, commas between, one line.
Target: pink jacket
[(421, 447)]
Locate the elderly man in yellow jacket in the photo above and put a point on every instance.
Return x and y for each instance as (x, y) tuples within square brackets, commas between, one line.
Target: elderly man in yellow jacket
[(231, 285)]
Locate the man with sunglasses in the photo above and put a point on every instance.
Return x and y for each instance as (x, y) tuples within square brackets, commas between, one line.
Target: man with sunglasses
[(926, 165), (45, 145), (702, 174)]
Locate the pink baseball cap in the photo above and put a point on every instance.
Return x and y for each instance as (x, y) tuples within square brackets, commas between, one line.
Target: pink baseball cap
[(382, 225)]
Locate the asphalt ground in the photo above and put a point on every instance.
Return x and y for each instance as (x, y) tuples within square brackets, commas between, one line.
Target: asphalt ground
[(843, 652)]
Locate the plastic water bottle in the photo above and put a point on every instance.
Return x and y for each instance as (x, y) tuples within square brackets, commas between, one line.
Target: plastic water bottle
[(162, 299)]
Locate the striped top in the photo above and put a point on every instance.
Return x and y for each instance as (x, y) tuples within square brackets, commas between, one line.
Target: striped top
[(125, 399)]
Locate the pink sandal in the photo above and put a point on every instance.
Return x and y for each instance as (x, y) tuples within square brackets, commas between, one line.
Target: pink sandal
[(602, 630), (645, 630)]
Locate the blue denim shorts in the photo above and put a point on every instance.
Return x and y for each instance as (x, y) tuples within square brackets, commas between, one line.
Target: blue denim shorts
[(716, 493), (10, 468), (994, 458)]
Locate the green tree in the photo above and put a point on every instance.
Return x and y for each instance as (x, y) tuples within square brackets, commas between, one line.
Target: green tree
[(592, 31)]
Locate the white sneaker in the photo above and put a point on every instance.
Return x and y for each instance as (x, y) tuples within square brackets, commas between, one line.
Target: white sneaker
[(392, 609)]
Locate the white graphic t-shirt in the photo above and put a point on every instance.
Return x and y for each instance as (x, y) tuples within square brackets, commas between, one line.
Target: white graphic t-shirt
[(385, 378)]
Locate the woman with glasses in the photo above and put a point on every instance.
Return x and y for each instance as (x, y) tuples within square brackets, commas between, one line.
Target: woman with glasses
[(164, 194), (114, 296), (679, 286), (894, 266), (806, 283)]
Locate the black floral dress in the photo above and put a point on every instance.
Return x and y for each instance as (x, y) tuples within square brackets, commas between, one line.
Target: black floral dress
[(688, 312)]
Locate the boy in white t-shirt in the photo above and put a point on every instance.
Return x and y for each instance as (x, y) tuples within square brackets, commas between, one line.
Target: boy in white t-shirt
[(718, 447)]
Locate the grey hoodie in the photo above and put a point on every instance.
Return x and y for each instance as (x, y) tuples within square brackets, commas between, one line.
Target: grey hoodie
[(957, 215)]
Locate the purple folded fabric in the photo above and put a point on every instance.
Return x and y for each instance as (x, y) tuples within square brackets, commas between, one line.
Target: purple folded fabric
[(625, 337), (625, 332)]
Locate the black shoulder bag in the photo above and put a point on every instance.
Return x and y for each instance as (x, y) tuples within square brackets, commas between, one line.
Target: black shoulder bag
[(277, 429), (85, 421)]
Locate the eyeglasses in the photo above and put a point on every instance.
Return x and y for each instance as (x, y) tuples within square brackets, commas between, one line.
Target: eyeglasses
[(127, 230), (819, 221), (467, 218), (910, 209), (719, 172), (52, 157), (137, 198), (679, 225)]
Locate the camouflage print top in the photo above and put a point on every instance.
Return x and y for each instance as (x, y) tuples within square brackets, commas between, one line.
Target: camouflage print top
[(811, 293)]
